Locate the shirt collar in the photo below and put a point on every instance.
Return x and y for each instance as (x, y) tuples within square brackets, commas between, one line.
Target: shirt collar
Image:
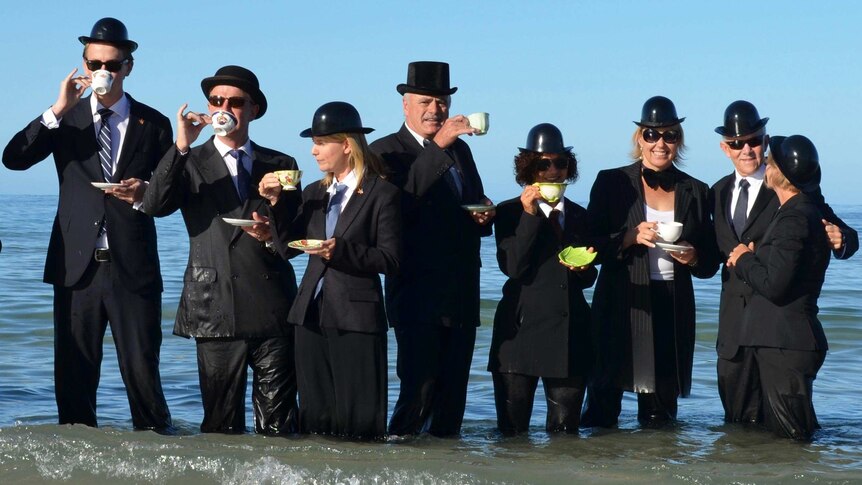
[(223, 149), (350, 181), (756, 176), (419, 139), (546, 208), (121, 108)]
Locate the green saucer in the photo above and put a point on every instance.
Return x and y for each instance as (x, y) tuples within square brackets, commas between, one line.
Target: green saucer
[(576, 256)]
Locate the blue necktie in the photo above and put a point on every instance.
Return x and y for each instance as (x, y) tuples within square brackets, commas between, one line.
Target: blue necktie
[(739, 213), (453, 178), (243, 178), (332, 213), (104, 140)]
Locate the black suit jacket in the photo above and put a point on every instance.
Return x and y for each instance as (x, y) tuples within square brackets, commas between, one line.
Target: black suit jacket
[(367, 243), (439, 279), (233, 285), (82, 207), (786, 272), (621, 301), (736, 293), (542, 323)]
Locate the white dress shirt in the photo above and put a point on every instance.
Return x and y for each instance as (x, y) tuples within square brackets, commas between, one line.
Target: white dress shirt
[(230, 161)]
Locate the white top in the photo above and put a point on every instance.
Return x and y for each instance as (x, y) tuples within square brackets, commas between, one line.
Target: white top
[(230, 161), (350, 181), (660, 262), (756, 181)]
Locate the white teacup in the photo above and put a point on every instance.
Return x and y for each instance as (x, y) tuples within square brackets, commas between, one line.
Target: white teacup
[(224, 122), (669, 231), (479, 121), (551, 192), (288, 178), (101, 82)]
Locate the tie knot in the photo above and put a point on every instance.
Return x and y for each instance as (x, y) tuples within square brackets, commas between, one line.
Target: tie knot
[(426, 142), (743, 184), (105, 113), (236, 154)]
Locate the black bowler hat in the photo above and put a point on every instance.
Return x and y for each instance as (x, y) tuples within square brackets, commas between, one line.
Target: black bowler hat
[(110, 31), (741, 118), (545, 138), (797, 159), (658, 112), (427, 77), (335, 117), (239, 77)]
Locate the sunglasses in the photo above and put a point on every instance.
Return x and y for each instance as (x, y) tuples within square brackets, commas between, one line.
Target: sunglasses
[(233, 101), (545, 163), (739, 144), (111, 66), (670, 136)]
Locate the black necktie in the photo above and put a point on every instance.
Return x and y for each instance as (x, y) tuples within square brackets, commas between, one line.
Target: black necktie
[(243, 178), (105, 145), (554, 219), (664, 179), (739, 212)]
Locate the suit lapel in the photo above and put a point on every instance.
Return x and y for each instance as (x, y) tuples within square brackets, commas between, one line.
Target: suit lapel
[(682, 199), (81, 117), (260, 166), (765, 196), (354, 205), (637, 212)]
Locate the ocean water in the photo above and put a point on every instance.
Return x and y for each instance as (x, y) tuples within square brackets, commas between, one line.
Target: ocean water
[(700, 448)]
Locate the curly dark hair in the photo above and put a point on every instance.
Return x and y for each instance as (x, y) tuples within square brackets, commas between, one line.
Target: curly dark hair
[(526, 161)]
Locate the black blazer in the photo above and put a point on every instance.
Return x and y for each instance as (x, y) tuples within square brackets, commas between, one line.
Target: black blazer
[(736, 293), (367, 243), (621, 302), (786, 272), (439, 279), (542, 323), (233, 285), (82, 207)]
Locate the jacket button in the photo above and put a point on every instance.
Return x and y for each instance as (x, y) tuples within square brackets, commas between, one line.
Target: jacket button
[(234, 277), (565, 314), (96, 223), (563, 286), (233, 246), (265, 276)]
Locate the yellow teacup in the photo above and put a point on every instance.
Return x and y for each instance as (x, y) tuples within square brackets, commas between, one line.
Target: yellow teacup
[(288, 178)]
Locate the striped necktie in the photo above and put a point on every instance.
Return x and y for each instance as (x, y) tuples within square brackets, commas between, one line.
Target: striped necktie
[(105, 144)]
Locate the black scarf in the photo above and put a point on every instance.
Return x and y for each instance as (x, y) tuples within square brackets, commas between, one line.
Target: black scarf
[(665, 179)]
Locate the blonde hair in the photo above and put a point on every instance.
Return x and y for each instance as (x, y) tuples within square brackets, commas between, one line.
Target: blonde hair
[(637, 154), (778, 180), (361, 158)]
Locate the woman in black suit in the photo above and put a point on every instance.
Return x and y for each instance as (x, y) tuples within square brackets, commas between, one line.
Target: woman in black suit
[(541, 328), (780, 329), (338, 312), (643, 306)]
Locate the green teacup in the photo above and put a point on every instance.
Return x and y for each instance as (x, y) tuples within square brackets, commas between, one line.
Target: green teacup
[(551, 192)]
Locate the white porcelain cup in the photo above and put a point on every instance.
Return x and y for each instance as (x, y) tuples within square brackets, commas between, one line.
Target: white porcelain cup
[(224, 122), (288, 178), (669, 231), (101, 82), (479, 121)]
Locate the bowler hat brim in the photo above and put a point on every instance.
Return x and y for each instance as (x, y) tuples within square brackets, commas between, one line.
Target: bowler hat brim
[(256, 94), (128, 44), (652, 124), (308, 133)]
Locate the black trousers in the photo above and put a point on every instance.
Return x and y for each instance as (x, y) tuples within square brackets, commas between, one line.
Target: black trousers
[(771, 386), (81, 316), (343, 380), (514, 395), (434, 367), (604, 401), (223, 371)]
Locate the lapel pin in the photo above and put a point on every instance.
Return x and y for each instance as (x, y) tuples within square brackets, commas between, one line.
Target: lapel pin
[(140, 121)]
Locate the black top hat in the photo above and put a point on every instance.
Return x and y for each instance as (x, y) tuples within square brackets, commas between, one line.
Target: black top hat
[(427, 77), (239, 77), (657, 112), (741, 118), (110, 31), (796, 157), (335, 117), (545, 138)]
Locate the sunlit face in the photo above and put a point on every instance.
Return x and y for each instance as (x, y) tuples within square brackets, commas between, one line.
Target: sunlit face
[(332, 156), (747, 159), (425, 114), (553, 173), (243, 114), (660, 154), (107, 52)]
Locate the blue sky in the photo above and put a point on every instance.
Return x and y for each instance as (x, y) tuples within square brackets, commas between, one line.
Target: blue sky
[(585, 66)]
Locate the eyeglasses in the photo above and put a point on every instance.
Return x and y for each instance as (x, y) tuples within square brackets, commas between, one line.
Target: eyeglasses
[(545, 163), (112, 66), (739, 144), (670, 136), (233, 101)]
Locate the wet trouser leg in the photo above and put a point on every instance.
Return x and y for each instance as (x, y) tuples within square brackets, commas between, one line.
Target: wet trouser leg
[(739, 387), (513, 398), (787, 378)]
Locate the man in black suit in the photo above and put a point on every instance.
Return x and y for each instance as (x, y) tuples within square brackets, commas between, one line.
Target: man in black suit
[(434, 303), (742, 211), (237, 289), (102, 257)]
